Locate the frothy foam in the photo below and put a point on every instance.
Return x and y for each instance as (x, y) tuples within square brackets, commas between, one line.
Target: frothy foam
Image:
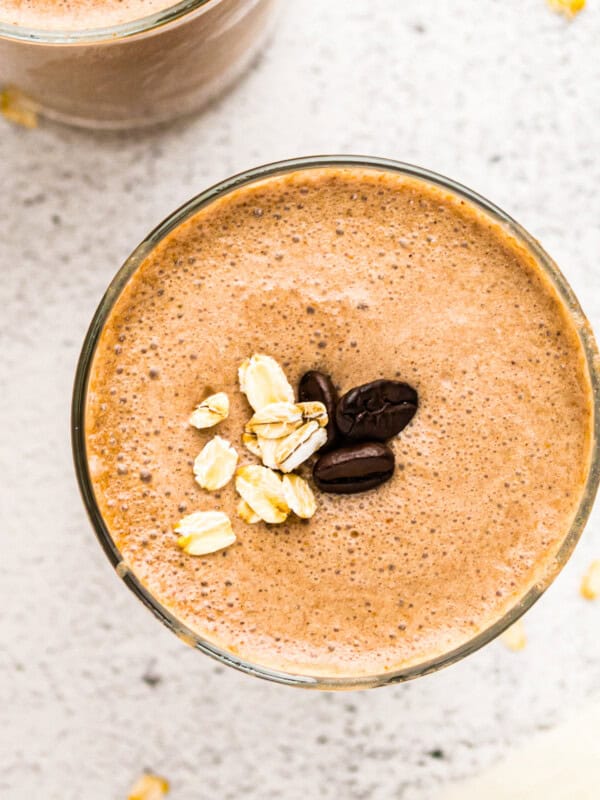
[(362, 274), (73, 15)]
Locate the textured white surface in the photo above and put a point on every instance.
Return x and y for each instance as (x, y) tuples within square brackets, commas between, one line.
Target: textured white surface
[(559, 764), (503, 96)]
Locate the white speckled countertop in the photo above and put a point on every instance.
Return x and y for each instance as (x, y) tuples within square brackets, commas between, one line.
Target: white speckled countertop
[(501, 95)]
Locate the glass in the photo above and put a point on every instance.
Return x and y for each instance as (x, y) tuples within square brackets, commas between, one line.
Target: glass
[(138, 73), (592, 359)]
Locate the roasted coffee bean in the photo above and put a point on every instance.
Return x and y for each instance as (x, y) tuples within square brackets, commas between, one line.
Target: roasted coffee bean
[(377, 410), (318, 386), (355, 468)]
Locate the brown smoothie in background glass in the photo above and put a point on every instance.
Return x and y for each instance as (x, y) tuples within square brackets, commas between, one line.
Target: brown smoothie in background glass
[(105, 63), (362, 273)]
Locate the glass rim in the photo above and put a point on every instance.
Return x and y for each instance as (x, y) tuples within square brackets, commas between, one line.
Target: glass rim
[(318, 681), (108, 34)]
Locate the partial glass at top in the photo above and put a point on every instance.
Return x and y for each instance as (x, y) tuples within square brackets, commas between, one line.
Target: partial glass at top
[(366, 269), (114, 64)]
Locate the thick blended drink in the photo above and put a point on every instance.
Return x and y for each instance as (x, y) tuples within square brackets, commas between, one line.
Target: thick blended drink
[(448, 490), (112, 64)]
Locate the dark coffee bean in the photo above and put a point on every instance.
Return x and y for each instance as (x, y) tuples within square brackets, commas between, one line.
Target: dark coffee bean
[(377, 410), (355, 468), (318, 386)]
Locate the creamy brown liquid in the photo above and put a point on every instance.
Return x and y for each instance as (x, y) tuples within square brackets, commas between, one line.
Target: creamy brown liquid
[(362, 274), (77, 14)]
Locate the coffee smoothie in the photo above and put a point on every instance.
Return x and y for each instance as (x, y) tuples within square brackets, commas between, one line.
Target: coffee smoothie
[(74, 15), (405, 517), (113, 64)]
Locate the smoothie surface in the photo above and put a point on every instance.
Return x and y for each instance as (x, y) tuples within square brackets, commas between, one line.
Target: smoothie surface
[(363, 274)]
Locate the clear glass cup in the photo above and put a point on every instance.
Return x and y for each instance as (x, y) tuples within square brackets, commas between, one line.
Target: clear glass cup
[(592, 359), (138, 73)]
